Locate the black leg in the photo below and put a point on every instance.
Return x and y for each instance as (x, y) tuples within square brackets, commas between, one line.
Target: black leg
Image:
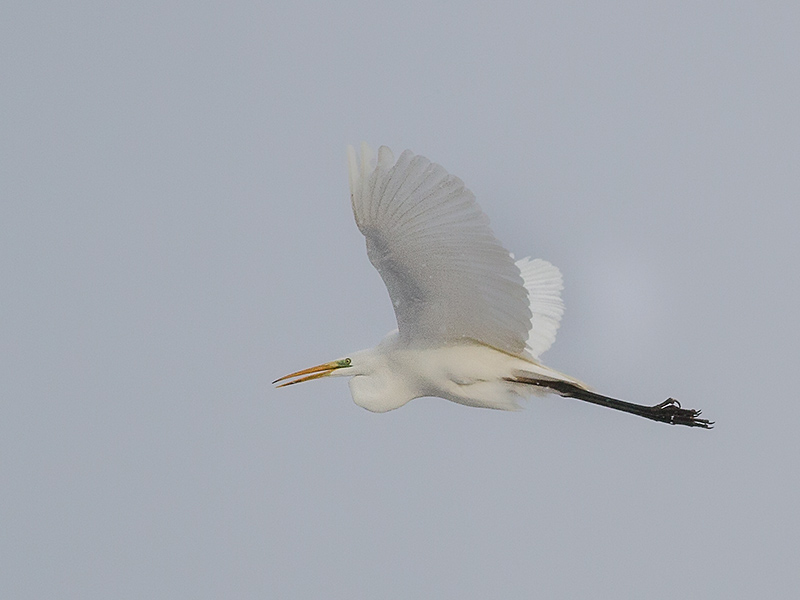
[(669, 411)]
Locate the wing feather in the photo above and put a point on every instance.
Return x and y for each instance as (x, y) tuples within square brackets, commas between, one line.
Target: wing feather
[(448, 277), (544, 284)]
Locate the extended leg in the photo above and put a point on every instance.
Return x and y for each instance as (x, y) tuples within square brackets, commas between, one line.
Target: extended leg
[(669, 411)]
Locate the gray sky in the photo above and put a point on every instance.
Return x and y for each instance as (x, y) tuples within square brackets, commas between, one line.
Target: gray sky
[(175, 232)]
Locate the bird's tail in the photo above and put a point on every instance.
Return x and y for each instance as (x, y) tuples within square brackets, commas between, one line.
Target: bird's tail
[(544, 374)]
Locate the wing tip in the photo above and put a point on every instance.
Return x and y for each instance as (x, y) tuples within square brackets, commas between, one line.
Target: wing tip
[(360, 170), (544, 284), (366, 160)]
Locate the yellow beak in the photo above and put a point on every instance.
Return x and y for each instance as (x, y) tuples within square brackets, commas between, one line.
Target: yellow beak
[(322, 370)]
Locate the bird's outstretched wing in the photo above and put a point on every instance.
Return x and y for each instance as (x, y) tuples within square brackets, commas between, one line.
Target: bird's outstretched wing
[(448, 277), (544, 284)]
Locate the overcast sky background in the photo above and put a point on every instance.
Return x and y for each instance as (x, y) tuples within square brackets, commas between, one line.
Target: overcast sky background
[(175, 233)]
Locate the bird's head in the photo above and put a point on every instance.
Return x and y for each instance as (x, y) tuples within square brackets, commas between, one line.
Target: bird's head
[(341, 367)]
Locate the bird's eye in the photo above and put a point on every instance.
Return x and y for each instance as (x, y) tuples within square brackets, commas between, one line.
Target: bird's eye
[(345, 362)]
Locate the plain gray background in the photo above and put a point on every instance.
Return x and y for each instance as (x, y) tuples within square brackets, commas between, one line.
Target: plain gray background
[(176, 233)]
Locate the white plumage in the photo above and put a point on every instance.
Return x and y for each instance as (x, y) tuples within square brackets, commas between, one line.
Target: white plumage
[(471, 321), (448, 276), (543, 283)]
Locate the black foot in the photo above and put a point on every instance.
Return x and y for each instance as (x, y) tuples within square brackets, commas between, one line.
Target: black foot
[(670, 411)]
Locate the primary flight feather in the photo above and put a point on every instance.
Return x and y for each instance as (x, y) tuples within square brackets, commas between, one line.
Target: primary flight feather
[(471, 321)]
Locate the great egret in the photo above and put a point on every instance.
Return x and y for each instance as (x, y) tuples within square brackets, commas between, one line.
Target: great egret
[(471, 321)]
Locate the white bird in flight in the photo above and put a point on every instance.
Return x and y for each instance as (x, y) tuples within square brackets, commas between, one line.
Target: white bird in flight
[(471, 321)]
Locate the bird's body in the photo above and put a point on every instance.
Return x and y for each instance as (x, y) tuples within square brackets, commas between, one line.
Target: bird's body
[(472, 320), (468, 373)]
